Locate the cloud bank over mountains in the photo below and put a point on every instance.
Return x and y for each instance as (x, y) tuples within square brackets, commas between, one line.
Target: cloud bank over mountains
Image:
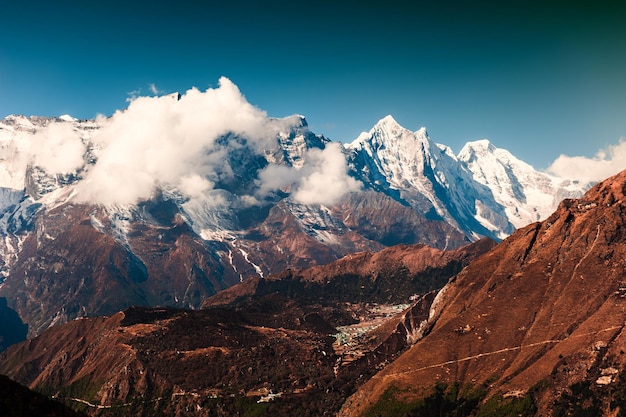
[(177, 142), (182, 143)]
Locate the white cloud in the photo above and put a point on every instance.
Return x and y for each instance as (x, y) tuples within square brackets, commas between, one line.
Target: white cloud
[(277, 177), (326, 178), (605, 163), (58, 149), (172, 141), (194, 185), (182, 144), (323, 178)]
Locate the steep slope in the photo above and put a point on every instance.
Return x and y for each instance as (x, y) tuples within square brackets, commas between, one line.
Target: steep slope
[(412, 168), (245, 203), (393, 275), (68, 268), (82, 259), (527, 195), (301, 340), (540, 317), (483, 191)]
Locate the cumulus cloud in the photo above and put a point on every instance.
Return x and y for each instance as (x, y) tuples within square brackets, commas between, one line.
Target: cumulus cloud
[(172, 140), (323, 178), (181, 144), (604, 164), (58, 149)]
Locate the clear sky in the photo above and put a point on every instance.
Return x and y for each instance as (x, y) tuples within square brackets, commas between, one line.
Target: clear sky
[(538, 78)]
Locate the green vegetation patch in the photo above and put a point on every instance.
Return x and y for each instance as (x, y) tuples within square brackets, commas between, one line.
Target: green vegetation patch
[(83, 388), (497, 406), (444, 401)]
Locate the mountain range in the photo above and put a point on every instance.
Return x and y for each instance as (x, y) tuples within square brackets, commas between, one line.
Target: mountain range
[(532, 325), (80, 240)]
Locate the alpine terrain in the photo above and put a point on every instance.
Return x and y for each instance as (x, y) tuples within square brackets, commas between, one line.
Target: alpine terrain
[(530, 326), (136, 213)]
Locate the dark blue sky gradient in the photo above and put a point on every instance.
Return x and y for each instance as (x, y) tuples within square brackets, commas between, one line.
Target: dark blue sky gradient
[(538, 78)]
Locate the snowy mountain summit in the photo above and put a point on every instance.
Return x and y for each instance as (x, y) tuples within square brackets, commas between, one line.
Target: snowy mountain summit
[(528, 195), (483, 191)]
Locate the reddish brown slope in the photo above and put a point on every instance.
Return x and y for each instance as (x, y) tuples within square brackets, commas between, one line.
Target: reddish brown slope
[(546, 304), (392, 275)]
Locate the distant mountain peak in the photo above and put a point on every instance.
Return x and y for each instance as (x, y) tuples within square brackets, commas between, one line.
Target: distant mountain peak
[(480, 149), (68, 118), (389, 121), (391, 125), (481, 145), (388, 133)]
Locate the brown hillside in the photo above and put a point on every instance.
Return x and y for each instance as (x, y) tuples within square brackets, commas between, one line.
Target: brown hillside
[(547, 304), (392, 275), (310, 336)]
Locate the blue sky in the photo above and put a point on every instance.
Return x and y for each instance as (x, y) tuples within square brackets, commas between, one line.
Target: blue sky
[(538, 78)]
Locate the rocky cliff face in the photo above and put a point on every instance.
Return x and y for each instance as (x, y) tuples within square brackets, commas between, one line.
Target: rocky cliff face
[(540, 318)]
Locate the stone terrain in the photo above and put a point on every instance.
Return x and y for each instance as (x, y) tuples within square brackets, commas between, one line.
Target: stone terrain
[(63, 257), (532, 326)]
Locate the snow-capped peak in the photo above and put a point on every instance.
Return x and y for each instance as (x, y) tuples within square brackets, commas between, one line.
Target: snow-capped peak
[(18, 122), (475, 149), (389, 133), (67, 118), (527, 194), (397, 160), (485, 150), (390, 122)]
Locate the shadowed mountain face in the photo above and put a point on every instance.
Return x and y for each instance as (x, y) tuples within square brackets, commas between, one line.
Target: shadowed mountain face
[(533, 326), (19, 401), (302, 341), (12, 330), (391, 276), (538, 323)]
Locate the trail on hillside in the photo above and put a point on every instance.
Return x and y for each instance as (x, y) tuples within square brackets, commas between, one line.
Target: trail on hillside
[(495, 352)]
